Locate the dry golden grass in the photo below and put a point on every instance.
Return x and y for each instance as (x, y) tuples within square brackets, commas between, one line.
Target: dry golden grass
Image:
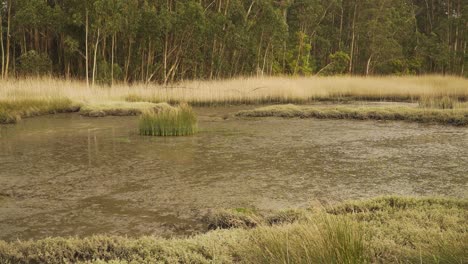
[(246, 90)]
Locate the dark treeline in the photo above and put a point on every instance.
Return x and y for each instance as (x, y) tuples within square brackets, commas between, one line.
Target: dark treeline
[(169, 40)]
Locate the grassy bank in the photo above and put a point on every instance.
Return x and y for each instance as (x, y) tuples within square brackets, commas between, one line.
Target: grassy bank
[(458, 117), (381, 230), (11, 111)]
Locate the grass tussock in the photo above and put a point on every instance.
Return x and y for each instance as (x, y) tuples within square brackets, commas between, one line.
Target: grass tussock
[(169, 121), (380, 230), (120, 108), (11, 111), (457, 117)]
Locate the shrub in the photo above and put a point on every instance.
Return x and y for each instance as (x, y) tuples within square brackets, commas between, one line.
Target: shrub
[(33, 63)]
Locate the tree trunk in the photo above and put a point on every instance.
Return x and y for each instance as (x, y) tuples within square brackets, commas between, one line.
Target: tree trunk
[(87, 54), (127, 64), (352, 40), (112, 59), (95, 56), (368, 65), (341, 25), (2, 47), (463, 62), (7, 61)]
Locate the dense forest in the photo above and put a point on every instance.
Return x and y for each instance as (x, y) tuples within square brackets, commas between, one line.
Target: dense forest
[(105, 41)]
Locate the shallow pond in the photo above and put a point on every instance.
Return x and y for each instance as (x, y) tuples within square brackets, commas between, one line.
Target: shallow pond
[(68, 175)]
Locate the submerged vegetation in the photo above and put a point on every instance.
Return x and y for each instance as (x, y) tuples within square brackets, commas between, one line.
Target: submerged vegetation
[(458, 117), (380, 230), (169, 121)]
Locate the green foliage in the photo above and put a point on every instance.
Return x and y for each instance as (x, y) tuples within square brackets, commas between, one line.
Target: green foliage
[(299, 59), (339, 62), (173, 121), (104, 72), (186, 39), (33, 63)]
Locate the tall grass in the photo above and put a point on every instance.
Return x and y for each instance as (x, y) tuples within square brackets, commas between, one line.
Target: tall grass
[(247, 90), (326, 239), (169, 121)]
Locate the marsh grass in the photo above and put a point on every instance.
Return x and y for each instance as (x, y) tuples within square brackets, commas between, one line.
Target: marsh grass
[(11, 111), (268, 90), (169, 121), (248, 90), (379, 230), (325, 239), (457, 117)]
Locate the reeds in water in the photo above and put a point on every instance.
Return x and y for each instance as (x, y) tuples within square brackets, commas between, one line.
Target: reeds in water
[(169, 121)]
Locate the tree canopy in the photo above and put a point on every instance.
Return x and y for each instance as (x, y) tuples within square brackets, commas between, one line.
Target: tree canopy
[(164, 41)]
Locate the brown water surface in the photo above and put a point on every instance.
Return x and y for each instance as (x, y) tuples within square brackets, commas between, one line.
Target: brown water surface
[(68, 175)]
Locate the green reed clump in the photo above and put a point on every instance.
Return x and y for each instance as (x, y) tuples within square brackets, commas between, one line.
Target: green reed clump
[(170, 121), (11, 111)]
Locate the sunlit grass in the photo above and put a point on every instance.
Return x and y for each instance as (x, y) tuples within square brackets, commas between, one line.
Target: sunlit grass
[(458, 117), (169, 121), (379, 230)]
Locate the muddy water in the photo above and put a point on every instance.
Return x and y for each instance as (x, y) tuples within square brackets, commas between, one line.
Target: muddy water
[(69, 175)]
